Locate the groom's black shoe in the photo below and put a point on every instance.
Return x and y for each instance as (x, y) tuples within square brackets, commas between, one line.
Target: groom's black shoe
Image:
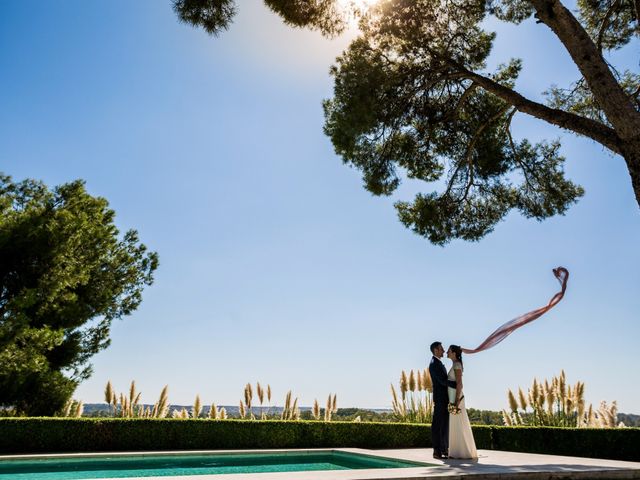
[(437, 455)]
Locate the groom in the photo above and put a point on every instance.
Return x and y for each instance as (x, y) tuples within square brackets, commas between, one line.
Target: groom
[(440, 423)]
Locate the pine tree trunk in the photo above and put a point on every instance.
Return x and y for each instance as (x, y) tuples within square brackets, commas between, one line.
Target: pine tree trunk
[(611, 97), (620, 110), (631, 154)]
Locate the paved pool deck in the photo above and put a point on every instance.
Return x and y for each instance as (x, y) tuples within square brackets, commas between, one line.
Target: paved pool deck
[(495, 464), (491, 465)]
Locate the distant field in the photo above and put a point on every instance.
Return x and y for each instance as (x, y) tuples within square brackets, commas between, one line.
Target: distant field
[(478, 417)]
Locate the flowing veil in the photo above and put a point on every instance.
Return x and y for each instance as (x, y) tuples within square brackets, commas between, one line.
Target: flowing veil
[(562, 274)]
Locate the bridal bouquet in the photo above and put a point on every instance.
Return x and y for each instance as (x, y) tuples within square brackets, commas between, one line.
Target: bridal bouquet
[(453, 410)]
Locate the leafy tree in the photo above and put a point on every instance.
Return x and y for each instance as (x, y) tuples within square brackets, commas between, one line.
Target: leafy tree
[(484, 417), (64, 277), (412, 97)]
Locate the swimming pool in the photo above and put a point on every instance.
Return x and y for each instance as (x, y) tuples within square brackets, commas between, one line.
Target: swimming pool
[(165, 465)]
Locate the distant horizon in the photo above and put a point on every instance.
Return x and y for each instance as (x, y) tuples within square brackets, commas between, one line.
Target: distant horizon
[(207, 406)]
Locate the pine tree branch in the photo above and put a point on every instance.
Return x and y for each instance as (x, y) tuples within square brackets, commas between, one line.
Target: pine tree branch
[(463, 98), (569, 121), (615, 103), (526, 170), (605, 23), (469, 156)]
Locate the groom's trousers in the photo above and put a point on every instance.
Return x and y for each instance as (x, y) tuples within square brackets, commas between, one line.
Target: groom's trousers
[(440, 428)]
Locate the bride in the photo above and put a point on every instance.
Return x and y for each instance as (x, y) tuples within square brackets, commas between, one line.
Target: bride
[(461, 443)]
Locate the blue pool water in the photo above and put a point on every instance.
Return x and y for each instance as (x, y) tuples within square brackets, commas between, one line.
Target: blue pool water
[(67, 468)]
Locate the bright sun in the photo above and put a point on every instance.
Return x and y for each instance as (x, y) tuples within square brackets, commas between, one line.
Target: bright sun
[(357, 3), (350, 5)]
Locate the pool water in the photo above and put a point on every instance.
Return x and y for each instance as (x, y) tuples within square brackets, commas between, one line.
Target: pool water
[(119, 466)]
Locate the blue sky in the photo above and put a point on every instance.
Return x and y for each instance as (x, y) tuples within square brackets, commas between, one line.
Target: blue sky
[(276, 265)]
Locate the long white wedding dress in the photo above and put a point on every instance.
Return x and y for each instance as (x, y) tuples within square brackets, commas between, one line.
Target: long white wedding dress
[(461, 442)]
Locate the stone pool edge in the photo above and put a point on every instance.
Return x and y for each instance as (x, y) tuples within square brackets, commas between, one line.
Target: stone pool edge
[(491, 465)]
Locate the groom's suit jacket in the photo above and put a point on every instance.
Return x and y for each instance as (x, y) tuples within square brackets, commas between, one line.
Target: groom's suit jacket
[(440, 381)]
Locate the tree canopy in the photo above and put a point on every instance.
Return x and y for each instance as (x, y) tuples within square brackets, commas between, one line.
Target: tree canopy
[(412, 98), (65, 275)]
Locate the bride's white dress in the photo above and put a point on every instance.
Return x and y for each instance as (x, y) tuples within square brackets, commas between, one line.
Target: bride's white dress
[(461, 442)]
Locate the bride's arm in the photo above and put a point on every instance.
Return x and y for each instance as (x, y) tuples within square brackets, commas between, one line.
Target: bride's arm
[(441, 378), (458, 372)]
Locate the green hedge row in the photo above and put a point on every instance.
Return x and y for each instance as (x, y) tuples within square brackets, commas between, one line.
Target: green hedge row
[(50, 435), (611, 443), (30, 435)]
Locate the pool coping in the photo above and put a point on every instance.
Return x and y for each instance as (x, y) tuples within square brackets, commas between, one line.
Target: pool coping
[(283, 451), (491, 465)]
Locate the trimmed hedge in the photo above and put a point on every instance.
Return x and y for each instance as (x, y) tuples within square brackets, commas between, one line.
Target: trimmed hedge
[(50, 435), (612, 443), (32, 435)]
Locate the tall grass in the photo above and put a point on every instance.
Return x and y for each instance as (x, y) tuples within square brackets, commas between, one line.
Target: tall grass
[(547, 403), (556, 403), (415, 403), (128, 406)]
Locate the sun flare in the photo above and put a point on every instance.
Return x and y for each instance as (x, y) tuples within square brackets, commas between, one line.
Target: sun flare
[(353, 9), (356, 3)]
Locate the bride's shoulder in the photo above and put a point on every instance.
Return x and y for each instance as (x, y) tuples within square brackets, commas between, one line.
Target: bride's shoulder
[(457, 366)]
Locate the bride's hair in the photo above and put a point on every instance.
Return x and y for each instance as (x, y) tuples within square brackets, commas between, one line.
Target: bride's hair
[(458, 351)]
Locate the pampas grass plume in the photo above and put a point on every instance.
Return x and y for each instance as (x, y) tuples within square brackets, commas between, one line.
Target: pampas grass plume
[(522, 398), (428, 382), (197, 407), (132, 391), (404, 384), (248, 395), (260, 393), (163, 402), (108, 392), (513, 404)]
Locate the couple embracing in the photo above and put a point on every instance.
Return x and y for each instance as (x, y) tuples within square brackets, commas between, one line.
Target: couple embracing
[(450, 429), (451, 433)]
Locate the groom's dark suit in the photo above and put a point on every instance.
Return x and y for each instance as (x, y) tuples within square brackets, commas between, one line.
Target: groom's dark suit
[(440, 423)]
